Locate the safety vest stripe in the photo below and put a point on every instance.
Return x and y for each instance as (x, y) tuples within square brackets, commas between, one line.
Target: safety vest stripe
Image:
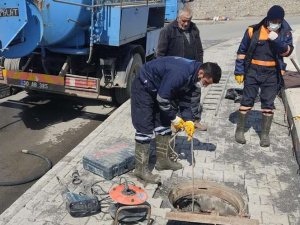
[(241, 56), (263, 35), (49, 79), (263, 63)]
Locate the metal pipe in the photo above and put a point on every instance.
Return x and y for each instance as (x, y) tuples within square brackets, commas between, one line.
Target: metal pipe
[(78, 4), (43, 54), (193, 175), (91, 35), (295, 64), (219, 103)]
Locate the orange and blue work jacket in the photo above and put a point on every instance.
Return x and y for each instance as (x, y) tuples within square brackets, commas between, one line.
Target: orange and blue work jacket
[(267, 52)]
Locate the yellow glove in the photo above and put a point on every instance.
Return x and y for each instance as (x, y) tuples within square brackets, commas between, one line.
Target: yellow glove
[(189, 128), (239, 78), (178, 123)]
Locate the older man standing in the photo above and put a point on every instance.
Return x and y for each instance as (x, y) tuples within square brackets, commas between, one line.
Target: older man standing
[(181, 38)]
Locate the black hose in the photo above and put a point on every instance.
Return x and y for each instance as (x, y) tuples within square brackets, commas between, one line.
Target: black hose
[(31, 178)]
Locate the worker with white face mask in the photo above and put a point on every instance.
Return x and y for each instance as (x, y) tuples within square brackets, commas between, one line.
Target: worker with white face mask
[(260, 65), (155, 90)]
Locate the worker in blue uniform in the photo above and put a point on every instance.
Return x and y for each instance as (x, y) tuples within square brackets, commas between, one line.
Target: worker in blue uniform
[(181, 38), (260, 65), (158, 86)]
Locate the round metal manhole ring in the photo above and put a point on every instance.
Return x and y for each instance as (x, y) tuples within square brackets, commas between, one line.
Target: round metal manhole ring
[(210, 189)]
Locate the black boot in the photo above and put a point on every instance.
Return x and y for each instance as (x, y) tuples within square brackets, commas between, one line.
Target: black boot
[(142, 152), (240, 128), (163, 151), (265, 130)]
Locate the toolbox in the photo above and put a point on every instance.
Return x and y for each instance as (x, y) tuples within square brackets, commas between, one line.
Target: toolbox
[(110, 160)]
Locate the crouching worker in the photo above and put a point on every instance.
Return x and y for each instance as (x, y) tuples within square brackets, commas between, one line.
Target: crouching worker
[(159, 84)]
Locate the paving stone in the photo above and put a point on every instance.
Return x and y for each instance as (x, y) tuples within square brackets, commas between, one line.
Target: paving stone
[(160, 212), (268, 218), (71, 220), (255, 212), (213, 175), (96, 219), (155, 203), (251, 183), (258, 191), (234, 177), (254, 199)]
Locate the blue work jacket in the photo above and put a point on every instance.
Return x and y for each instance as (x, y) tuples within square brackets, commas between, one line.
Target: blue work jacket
[(170, 79), (279, 46)]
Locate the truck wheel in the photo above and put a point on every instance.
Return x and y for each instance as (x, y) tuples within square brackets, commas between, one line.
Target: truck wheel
[(123, 94)]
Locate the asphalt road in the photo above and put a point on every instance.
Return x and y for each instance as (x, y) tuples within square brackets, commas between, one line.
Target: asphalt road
[(49, 126), (54, 126)]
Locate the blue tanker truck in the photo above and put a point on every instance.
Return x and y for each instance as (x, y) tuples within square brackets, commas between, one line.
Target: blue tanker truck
[(83, 48), (172, 7)]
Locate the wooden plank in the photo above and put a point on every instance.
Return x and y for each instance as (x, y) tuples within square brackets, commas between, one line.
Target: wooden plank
[(211, 219)]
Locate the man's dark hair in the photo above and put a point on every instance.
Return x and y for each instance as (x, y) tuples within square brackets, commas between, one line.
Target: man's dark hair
[(213, 70)]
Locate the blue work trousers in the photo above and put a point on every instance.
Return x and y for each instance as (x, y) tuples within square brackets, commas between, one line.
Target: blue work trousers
[(263, 78), (145, 113)]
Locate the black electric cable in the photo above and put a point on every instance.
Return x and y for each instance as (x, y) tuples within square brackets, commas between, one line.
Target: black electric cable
[(31, 178)]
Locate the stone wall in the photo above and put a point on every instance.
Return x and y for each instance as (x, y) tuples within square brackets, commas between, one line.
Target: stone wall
[(207, 9)]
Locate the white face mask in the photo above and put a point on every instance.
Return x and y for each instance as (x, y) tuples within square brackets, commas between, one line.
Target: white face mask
[(274, 26), (199, 84)]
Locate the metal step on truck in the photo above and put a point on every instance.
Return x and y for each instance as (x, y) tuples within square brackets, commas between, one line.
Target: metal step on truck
[(83, 48)]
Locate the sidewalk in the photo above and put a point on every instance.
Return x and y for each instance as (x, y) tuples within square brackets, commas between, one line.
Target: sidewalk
[(267, 177)]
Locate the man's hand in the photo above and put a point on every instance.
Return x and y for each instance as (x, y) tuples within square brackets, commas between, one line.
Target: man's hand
[(239, 78), (178, 123), (273, 35), (189, 128)]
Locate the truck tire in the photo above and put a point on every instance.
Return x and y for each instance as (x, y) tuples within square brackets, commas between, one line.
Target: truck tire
[(123, 94)]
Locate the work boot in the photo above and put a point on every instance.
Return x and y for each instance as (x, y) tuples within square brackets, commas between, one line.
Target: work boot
[(142, 153), (240, 128), (265, 130), (163, 152)]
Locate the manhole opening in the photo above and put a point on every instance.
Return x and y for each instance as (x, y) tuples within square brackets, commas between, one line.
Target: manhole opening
[(205, 204), (208, 198)]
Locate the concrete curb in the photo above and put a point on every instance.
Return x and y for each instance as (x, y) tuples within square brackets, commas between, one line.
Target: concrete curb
[(290, 98)]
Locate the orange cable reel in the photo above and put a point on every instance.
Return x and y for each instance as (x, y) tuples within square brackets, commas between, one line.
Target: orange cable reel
[(131, 195)]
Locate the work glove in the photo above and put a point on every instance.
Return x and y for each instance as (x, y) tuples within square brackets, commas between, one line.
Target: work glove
[(239, 78), (178, 123), (189, 128), (273, 35)]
